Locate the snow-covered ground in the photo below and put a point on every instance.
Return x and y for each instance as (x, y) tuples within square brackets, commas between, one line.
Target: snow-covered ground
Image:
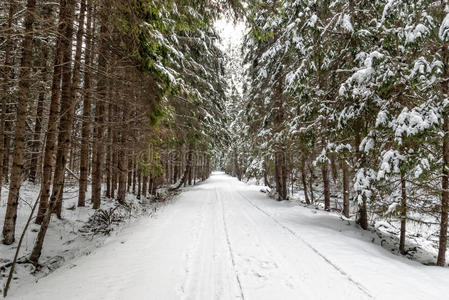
[(225, 240), (77, 234)]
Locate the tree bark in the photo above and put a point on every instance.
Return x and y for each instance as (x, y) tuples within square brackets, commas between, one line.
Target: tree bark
[(123, 157), (312, 197), (139, 182), (36, 146), (6, 78), (97, 172), (134, 166), (346, 207), (115, 156), (280, 175), (70, 87), (325, 171), (19, 136), (50, 142), (304, 180), (36, 143), (441, 260), (109, 152), (85, 129), (188, 166), (143, 194), (403, 215), (67, 15), (363, 212)]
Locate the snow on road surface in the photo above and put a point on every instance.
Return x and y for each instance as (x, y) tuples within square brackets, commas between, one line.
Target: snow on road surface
[(224, 239)]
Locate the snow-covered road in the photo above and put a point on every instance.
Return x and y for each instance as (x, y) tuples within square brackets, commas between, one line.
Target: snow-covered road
[(225, 240)]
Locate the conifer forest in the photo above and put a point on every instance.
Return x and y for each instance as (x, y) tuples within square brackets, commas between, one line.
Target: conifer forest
[(224, 149)]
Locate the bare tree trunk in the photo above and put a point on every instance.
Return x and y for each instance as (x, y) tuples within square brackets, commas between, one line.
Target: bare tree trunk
[(109, 152), (115, 158), (144, 186), (190, 174), (129, 173), (65, 127), (188, 167), (19, 136), (134, 166), (280, 174), (304, 180), (441, 260), (123, 161), (403, 215), (345, 168), (265, 175), (363, 212), (284, 175), (326, 184), (50, 143), (6, 77), (139, 182), (97, 171), (237, 171), (85, 129), (36, 143), (312, 197), (151, 185), (70, 87), (175, 173)]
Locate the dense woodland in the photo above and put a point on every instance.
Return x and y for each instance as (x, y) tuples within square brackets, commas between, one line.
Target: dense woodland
[(346, 101), (120, 96)]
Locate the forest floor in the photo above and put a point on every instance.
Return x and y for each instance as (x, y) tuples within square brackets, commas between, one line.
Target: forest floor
[(223, 239), (80, 231)]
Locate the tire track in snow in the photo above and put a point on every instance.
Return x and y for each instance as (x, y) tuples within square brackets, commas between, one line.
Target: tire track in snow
[(195, 231), (228, 242), (300, 238)]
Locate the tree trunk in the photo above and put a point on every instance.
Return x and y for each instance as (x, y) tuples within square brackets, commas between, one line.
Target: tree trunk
[(363, 212), (109, 152), (346, 207), (85, 129), (139, 183), (67, 15), (70, 87), (50, 141), (441, 260), (312, 197), (326, 190), (134, 166), (19, 136), (115, 156), (129, 170), (304, 180), (97, 172), (280, 175), (236, 166), (143, 194), (188, 167), (284, 175), (6, 78), (36, 143), (325, 174), (191, 160), (403, 215), (123, 157)]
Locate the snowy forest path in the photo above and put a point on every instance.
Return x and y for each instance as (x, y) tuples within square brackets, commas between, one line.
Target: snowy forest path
[(223, 239)]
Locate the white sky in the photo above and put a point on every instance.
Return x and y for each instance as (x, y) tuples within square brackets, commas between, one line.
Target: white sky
[(232, 37), (230, 32)]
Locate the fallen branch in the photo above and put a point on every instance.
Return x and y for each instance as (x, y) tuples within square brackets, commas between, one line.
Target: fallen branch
[(11, 271)]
